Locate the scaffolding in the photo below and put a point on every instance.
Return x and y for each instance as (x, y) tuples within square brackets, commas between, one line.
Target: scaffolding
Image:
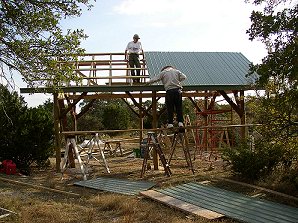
[(211, 134)]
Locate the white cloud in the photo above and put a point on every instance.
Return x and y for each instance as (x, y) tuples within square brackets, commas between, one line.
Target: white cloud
[(177, 13)]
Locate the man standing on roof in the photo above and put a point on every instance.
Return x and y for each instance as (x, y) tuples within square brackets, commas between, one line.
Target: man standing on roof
[(171, 79), (134, 49)]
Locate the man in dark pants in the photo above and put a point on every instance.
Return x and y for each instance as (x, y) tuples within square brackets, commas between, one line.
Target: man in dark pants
[(133, 49), (171, 79)]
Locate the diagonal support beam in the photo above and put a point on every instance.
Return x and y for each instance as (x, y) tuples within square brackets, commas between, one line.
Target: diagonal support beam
[(86, 109), (195, 104), (239, 111), (71, 105), (128, 105), (137, 104)]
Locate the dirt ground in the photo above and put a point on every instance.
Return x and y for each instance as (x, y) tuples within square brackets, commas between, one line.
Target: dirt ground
[(45, 197)]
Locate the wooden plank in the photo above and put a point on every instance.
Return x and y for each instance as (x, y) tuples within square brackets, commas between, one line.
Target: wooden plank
[(40, 187), (4, 212), (181, 205)]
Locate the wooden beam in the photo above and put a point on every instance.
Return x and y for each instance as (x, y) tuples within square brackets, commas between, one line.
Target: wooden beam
[(135, 95), (154, 125), (233, 105), (136, 103), (241, 104), (39, 187), (195, 104), (85, 109), (57, 132), (71, 105), (128, 105)]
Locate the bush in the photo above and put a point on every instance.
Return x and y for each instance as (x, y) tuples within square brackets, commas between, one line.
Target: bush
[(26, 135), (253, 161), (35, 142)]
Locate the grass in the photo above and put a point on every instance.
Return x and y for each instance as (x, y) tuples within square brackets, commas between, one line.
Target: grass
[(38, 205)]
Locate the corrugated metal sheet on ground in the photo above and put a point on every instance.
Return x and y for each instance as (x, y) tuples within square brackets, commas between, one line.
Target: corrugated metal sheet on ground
[(234, 205), (121, 186)]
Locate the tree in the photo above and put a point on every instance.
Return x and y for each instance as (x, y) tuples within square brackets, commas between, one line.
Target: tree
[(115, 117), (277, 28), (32, 43), (277, 111), (26, 135), (11, 106)]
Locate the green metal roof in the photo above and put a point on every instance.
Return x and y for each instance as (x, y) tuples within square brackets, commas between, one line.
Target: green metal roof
[(203, 68)]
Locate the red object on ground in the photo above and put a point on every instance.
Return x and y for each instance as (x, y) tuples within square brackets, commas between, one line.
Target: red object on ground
[(9, 167)]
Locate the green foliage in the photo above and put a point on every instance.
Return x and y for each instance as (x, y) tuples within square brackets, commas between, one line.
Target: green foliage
[(116, 112), (115, 117), (188, 109), (276, 26), (278, 30), (35, 138), (279, 116), (11, 107), (26, 135), (253, 161), (32, 40)]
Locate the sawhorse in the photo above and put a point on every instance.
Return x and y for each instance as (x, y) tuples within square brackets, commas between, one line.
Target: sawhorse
[(152, 143), (181, 136), (108, 146)]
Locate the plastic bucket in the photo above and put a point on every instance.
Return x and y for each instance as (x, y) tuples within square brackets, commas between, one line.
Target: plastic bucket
[(137, 153)]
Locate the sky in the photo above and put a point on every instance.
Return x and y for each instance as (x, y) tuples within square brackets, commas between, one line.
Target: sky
[(165, 25)]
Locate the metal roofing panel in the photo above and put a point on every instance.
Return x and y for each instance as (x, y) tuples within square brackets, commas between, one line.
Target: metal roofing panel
[(122, 186), (203, 68), (234, 205)]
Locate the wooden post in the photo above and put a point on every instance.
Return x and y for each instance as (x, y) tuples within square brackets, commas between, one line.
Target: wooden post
[(154, 125), (57, 133), (205, 131), (242, 118), (141, 117)]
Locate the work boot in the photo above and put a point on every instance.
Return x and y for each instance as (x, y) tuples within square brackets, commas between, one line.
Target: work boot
[(170, 126)]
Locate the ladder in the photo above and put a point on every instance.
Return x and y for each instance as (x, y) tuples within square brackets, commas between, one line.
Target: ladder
[(90, 155), (152, 143), (71, 144), (180, 135)]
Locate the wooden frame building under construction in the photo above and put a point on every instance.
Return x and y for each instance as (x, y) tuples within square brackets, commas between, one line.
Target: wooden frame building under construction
[(107, 75)]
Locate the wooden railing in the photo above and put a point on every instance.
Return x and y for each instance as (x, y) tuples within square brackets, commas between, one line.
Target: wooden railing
[(106, 69)]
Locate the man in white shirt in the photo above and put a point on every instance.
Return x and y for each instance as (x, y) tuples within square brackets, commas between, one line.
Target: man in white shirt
[(134, 49), (171, 79)]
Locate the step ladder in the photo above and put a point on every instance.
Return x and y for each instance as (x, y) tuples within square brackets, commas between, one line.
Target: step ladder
[(152, 143), (71, 144), (180, 136), (95, 141)]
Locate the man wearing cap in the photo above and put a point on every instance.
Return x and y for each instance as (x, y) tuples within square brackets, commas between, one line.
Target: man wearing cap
[(133, 49), (171, 79)]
